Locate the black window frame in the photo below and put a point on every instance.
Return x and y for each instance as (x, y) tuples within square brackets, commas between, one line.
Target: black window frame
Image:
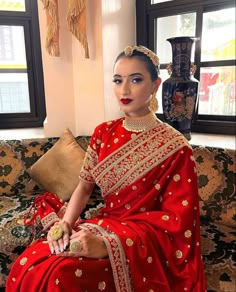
[(30, 22), (146, 15)]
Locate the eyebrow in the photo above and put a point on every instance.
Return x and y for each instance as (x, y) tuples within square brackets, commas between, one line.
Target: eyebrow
[(131, 75)]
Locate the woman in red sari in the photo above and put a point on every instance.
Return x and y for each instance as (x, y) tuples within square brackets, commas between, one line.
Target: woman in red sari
[(146, 237)]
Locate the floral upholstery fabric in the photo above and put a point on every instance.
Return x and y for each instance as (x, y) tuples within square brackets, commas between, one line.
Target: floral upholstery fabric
[(17, 192), (216, 171), (216, 175)]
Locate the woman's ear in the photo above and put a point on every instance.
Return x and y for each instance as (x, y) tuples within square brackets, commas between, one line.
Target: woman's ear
[(157, 83)]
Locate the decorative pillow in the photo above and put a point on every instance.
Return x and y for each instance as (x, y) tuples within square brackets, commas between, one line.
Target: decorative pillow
[(57, 171)]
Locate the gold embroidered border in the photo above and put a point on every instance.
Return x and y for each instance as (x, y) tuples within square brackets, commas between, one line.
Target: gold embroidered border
[(49, 220), (121, 152), (136, 158), (90, 161), (117, 256)]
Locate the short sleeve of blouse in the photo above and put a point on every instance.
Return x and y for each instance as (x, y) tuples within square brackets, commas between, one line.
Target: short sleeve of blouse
[(91, 156)]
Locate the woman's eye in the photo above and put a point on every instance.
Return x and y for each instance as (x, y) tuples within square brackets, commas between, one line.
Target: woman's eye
[(137, 80), (117, 81)]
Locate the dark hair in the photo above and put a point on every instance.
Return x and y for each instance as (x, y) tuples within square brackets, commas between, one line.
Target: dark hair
[(152, 69)]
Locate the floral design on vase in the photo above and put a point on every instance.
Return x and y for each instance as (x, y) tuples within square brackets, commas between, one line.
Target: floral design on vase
[(180, 90)]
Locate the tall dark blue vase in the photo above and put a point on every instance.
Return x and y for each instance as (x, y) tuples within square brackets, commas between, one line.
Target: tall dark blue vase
[(180, 91)]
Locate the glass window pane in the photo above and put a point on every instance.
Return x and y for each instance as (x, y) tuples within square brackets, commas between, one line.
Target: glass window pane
[(12, 5), (14, 93), (173, 26), (217, 91), (218, 35), (12, 47)]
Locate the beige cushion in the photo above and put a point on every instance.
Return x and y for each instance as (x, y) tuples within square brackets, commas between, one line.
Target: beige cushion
[(57, 171)]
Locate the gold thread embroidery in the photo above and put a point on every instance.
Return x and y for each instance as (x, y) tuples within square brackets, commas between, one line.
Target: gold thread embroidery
[(187, 233), (129, 242), (78, 273), (30, 268), (176, 177), (101, 286), (149, 260), (116, 255), (127, 206), (89, 162), (126, 170), (51, 218), (23, 261), (165, 217), (179, 254)]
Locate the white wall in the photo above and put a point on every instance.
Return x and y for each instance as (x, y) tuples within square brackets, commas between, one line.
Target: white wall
[(78, 90), (58, 79), (118, 31)]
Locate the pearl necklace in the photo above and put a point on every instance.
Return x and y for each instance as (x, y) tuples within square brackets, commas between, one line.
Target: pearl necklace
[(140, 124)]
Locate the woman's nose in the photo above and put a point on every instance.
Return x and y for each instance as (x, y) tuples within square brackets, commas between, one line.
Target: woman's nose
[(125, 88)]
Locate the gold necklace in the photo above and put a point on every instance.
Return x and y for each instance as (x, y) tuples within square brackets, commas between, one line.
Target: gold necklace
[(140, 124)]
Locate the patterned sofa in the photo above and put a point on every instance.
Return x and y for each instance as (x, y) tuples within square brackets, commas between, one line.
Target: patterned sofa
[(216, 174)]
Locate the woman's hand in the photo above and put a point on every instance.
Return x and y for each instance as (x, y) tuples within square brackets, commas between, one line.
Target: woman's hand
[(90, 245), (59, 245)]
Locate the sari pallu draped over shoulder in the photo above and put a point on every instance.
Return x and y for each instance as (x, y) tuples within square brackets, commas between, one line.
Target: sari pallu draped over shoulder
[(150, 220)]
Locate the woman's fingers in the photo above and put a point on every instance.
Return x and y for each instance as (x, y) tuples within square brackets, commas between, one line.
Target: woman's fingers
[(81, 243), (58, 237), (78, 233), (51, 246), (75, 249), (60, 246), (66, 241), (69, 254)]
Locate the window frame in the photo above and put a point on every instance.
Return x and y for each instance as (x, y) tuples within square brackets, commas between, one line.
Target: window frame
[(146, 15), (29, 20)]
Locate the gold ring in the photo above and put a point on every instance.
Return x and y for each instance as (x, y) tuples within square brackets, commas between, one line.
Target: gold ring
[(56, 232), (76, 246)]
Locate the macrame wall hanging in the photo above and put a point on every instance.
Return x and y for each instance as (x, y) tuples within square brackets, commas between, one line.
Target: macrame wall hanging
[(76, 19), (52, 36)]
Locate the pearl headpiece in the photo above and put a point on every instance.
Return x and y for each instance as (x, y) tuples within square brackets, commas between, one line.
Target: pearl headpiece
[(151, 55)]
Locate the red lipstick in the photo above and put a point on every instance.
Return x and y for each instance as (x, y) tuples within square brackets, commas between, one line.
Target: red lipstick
[(126, 100)]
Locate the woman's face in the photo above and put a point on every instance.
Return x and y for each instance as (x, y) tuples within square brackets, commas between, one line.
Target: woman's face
[(133, 86)]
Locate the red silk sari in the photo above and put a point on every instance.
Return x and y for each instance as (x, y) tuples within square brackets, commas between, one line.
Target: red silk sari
[(149, 223)]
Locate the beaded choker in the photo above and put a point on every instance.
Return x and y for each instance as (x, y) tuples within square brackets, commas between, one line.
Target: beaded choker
[(140, 124)]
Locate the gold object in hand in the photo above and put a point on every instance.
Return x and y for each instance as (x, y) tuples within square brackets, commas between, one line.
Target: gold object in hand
[(76, 246), (56, 232)]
